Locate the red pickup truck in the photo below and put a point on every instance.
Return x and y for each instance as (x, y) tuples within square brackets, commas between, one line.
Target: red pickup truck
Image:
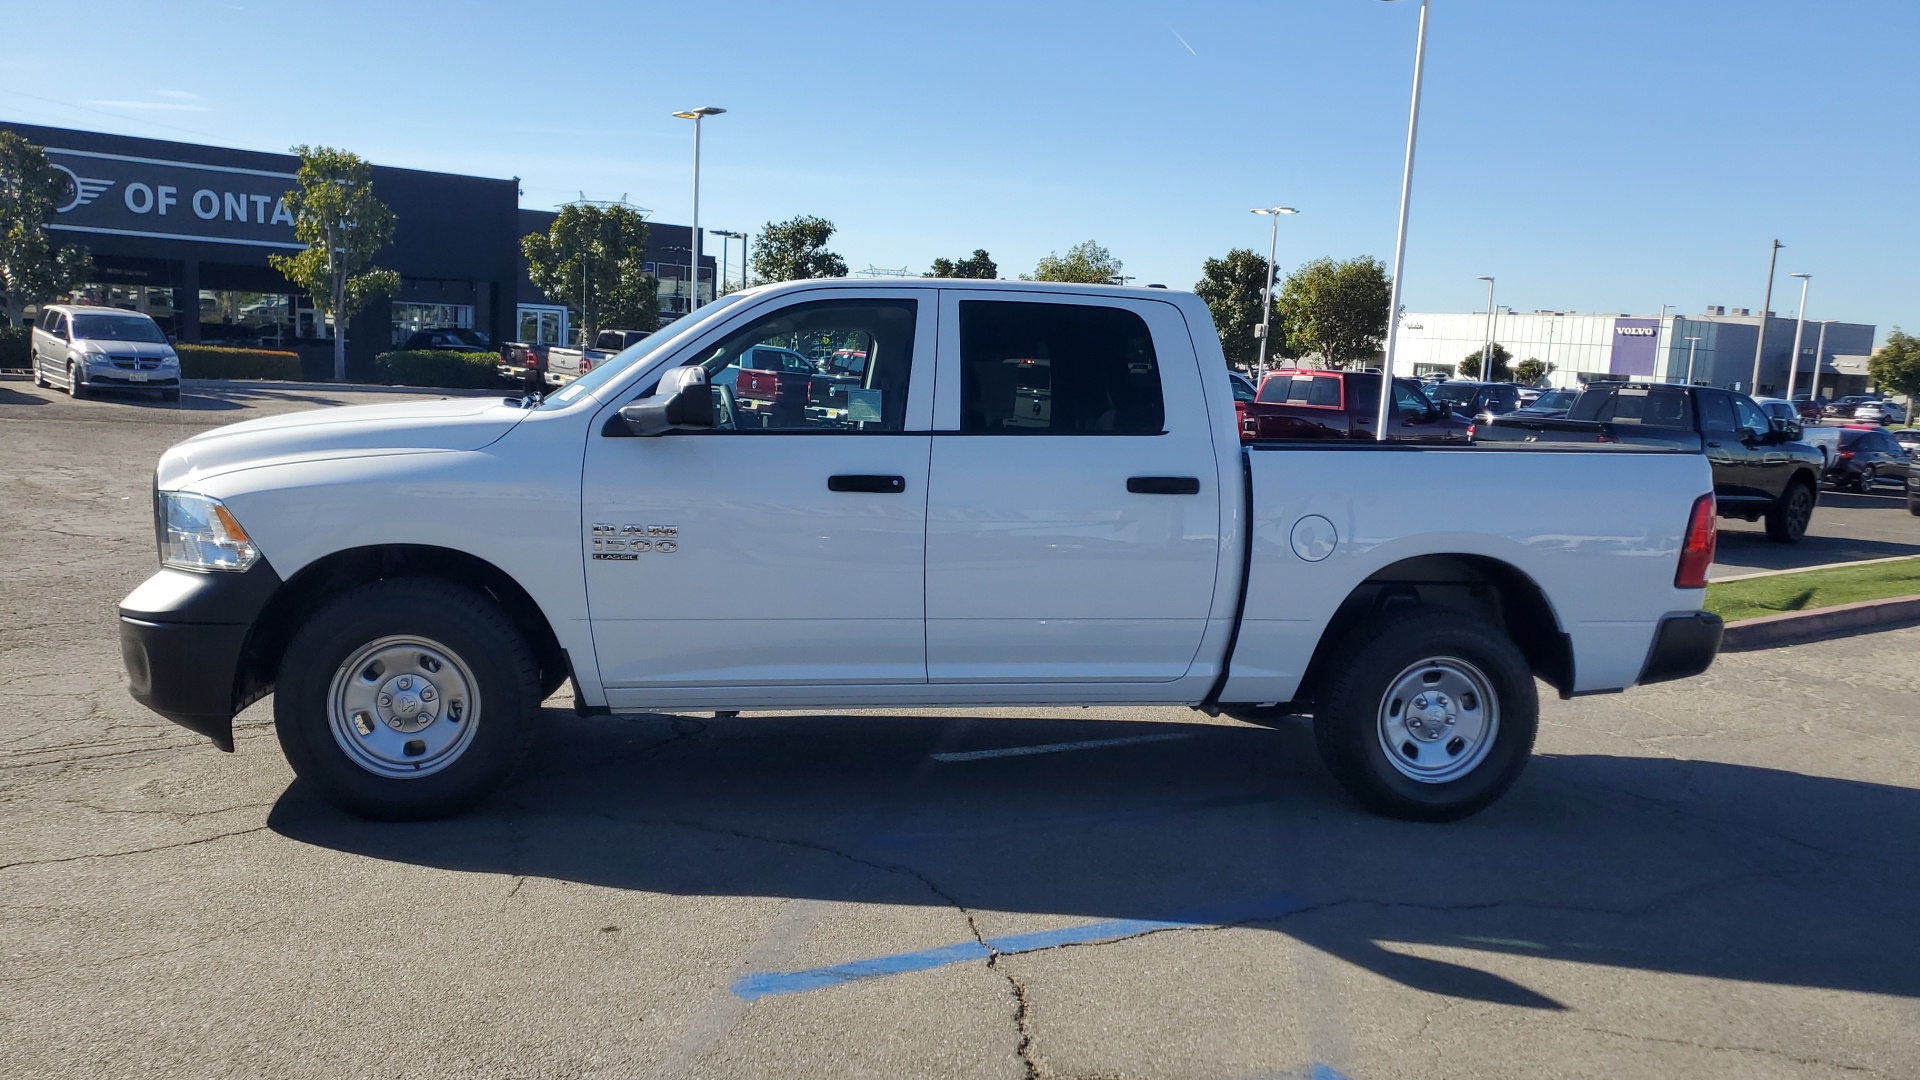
[(1309, 403), (774, 383)]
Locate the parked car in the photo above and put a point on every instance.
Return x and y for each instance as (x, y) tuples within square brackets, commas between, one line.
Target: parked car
[(448, 339), (571, 363), (1761, 469), (1550, 403), (1476, 399), (1907, 437), (1243, 393), (840, 371), (1879, 412), (1126, 550), (84, 349), (1842, 408), (771, 385), (1913, 491), (1312, 403), (1866, 456), (1810, 409), (1778, 408)]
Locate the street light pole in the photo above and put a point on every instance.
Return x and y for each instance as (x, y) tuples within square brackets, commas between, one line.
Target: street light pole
[(1819, 353), (1266, 291), (1693, 342), (1400, 235), (696, 115), (1486, 350), (1760, 339), (1799, 325)]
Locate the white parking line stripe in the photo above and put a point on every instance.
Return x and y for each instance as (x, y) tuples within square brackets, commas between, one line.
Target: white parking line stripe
[(1060, 747)]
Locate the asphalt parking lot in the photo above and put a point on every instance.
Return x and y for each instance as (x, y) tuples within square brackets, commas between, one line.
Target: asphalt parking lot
[(1713, 878)]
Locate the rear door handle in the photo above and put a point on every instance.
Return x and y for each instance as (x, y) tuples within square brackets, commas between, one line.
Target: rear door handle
[(1164, 485), (878, 485)]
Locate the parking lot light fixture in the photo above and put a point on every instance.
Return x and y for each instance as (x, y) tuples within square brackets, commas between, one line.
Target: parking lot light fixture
[(693, 271), (1760, 339), (1799, 326), (1693, 342), (1266, 291), (1400, 235)]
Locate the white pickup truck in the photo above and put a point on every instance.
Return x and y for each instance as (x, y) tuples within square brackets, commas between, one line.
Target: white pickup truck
[(1035, 495)]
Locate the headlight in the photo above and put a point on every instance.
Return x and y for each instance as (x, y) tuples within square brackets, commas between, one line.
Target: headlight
[(200, 533)]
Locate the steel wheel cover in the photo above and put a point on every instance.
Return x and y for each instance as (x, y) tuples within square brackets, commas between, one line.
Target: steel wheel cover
[(1438, 719), (403, 707)]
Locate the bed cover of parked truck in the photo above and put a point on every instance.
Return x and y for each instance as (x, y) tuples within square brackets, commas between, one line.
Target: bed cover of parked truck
[(1034, 495)]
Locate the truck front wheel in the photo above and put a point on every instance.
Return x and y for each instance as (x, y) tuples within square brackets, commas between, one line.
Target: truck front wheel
[(406, 699), (1430, 715), (1788, 519)]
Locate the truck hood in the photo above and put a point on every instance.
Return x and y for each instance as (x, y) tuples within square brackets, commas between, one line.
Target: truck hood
[(346, 431)]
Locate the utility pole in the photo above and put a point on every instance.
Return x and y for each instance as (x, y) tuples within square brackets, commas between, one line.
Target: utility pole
[(1400, 234), (1693, 342), (1486, 350), (1819, 353), (1265, 330), (1760, 340)]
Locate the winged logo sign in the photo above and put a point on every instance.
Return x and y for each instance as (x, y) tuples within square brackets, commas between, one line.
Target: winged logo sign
[(117, 194), (81, 190)]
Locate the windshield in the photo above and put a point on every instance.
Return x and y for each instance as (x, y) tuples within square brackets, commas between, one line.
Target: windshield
[(1453, 394), (117, 328), (614, 366)]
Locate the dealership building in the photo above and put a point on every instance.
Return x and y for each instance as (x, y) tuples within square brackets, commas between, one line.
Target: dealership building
[(182, 232), (1714, 348)]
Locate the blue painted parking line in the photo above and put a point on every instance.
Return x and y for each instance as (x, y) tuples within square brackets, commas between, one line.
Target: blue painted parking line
[(773, 983)]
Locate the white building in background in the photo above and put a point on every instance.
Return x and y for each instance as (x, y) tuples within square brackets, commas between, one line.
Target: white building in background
[(1589, 347)]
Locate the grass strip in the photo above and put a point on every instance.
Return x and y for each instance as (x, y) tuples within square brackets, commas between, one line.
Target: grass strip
[(1754, 597)]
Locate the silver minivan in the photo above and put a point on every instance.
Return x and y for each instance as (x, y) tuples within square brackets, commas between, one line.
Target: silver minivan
[(83, 349)]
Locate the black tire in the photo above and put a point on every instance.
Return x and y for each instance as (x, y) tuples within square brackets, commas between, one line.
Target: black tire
[(39, 377), (474, 631), (1913, 504), (76, 389), (1787, 521), (1350, 705)]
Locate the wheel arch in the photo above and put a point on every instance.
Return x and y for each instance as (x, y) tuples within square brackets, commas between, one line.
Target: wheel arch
[(326, 578), (1479, 585)]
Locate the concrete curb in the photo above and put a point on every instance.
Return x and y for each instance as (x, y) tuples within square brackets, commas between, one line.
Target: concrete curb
[(1809, 569), (1844, 620), (335, 387)]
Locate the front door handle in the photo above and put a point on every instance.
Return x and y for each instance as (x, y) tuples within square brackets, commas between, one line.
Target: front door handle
[(1163, 485), (877, 485)]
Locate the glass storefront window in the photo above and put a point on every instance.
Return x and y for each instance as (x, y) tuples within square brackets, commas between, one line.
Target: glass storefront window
[(246, 319), (410, 318), (541, 324)]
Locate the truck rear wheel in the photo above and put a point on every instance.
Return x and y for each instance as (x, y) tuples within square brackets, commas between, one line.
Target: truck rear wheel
[(1430, 715), (406, 699)]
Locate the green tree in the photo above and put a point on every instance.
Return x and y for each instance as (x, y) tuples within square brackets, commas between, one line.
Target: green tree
[(1087, 263), (1895, 366), (1231, 287), (978, 265), (1532, 371), (1502, 364), (593, 259), (32, 269), (796, 250), (343, 224), (1336, 309)]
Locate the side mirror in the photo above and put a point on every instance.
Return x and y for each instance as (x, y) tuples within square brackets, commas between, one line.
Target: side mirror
[(682, 400)]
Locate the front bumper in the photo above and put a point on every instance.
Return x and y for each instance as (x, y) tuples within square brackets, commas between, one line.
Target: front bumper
[(119, 379), (1683, 646), (183, 637)]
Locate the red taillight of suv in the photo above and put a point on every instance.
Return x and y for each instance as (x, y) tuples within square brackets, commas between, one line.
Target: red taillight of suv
[(586, 365), (1696, 555)]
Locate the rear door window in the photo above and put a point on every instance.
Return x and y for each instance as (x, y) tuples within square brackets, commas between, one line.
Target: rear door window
[(1716, 411), (1073, 369), (1651, 406)]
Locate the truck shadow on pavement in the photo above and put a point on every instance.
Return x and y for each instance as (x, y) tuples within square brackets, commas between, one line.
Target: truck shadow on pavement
[(1688, 867)]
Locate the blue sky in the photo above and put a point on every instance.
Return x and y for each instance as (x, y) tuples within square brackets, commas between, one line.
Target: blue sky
[(1597, 155)]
